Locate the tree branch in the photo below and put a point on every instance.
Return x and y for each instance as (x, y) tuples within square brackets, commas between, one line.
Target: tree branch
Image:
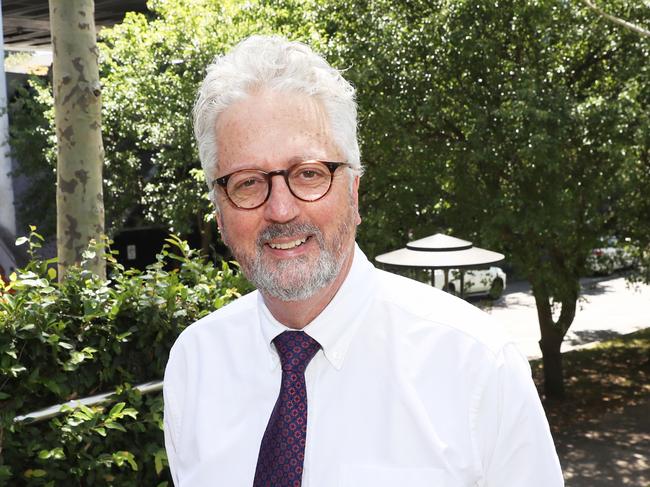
[(616, 20)]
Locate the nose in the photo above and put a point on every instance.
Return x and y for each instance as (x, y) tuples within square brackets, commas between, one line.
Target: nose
[(282, 206)]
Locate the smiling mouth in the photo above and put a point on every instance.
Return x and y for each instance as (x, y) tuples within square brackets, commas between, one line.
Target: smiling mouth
[(288, 245)]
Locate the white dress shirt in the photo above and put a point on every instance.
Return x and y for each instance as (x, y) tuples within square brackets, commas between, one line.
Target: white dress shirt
[(413, 387)]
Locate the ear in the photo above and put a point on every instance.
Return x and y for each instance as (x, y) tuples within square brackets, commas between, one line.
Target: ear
[(218, 218), (355, 199)]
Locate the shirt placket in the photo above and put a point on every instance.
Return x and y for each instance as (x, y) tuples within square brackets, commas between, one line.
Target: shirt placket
[(312, 375)]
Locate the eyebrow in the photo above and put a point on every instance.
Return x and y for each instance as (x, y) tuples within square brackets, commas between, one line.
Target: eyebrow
[(303, 158), (292, 161)]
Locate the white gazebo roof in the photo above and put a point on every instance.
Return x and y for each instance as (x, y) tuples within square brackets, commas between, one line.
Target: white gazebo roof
[(440, 252)]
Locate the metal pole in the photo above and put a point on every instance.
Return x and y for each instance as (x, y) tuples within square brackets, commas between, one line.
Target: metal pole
[(55, 410), (7, 209)]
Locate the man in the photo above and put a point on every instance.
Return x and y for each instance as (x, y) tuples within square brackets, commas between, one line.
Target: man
[(333, 373)]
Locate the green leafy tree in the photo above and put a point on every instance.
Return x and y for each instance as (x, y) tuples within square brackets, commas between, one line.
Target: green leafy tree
[(512, 125), (150, 68)]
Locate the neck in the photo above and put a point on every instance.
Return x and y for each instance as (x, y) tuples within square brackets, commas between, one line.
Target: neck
[(298, 314)]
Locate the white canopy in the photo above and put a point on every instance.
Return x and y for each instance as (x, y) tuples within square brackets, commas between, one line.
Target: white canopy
[(440, 251)]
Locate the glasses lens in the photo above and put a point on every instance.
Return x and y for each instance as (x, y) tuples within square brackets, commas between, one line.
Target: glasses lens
[(310, 180), (247, 189)]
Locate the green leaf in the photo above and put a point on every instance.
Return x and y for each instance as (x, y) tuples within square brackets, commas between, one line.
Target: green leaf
[(117, 409), (160, 460), (121, 457), (51, 273), (115, 426), (34, 473), (55, 453)]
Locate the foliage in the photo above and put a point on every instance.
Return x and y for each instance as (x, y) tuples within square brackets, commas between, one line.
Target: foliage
[(520, 127), (84, 336), (33, 143), (150, 67)]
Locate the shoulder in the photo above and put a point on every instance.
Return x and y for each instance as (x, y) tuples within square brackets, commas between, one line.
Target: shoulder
[(425, 310), (223, 324)]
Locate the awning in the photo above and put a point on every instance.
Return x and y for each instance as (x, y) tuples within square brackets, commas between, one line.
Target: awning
[(440, 251)]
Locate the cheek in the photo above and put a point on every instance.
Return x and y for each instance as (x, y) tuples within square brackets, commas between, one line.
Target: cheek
[(238, 229)]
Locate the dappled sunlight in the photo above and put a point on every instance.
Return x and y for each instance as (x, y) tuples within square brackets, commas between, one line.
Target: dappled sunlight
[(613, 452), (602, 429)]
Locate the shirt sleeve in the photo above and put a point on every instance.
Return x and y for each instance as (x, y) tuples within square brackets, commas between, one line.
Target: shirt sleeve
[(171, 416), (513, 435)]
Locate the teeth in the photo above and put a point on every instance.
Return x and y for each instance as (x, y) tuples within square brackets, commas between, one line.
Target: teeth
[(288, 245)]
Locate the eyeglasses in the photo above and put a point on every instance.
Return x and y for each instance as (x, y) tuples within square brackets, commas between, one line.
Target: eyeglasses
[(250, 188)]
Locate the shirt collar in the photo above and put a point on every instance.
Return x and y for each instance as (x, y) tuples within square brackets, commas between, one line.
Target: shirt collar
[(336, 325)]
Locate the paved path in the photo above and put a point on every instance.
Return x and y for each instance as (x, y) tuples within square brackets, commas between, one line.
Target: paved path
[(613, 451), (609, 306), (610, 453)]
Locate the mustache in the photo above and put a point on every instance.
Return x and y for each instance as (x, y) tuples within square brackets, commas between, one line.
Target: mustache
[(277, 230)]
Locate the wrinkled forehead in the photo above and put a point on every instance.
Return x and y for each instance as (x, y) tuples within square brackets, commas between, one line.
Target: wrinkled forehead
[(273, 127)]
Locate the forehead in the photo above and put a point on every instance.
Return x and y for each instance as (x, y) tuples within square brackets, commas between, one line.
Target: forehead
[(269, 128)]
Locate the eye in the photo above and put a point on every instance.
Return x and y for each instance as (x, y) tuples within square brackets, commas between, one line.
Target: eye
[(307, 174), (246, 182), (310, 172)]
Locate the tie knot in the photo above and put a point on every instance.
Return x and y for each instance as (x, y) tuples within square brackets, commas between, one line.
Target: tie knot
[(296, 349)]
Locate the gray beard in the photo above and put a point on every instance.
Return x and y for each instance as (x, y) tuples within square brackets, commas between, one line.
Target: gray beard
[(296, 279)]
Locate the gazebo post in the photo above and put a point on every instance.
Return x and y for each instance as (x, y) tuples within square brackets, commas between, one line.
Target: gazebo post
[(462, 283), (446, 271), (433, 277)]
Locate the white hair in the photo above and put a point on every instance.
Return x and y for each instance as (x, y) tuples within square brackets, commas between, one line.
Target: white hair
[(274, 63)]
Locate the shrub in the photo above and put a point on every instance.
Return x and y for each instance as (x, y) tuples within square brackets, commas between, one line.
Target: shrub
[(85, 336)]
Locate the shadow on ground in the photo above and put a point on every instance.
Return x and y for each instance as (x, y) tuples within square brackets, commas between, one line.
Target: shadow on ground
[(612, 451), (602, 427)]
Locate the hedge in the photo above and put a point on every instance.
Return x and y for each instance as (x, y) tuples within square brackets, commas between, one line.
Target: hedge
[(85, 336)]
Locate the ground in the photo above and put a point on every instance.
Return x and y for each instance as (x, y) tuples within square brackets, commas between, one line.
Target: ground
[(608, 307), (602, 428)]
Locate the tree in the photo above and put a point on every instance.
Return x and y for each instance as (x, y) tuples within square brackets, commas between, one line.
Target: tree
[(77, 101), (507, 125), (521, 127), (151, 67)]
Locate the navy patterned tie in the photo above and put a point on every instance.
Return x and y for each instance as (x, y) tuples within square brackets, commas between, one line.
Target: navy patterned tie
[(282, 452)]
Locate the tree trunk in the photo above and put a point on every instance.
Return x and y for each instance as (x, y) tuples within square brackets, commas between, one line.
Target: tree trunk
[(80, 152), (550, 343)]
